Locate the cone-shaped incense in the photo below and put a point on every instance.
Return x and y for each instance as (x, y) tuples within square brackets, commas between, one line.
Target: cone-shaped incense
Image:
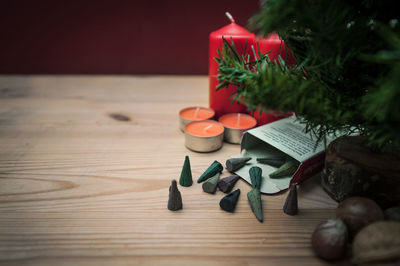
[(254, 195), (210, 186), (254, 198), (255, 177), (226, 184), (290, 206), (234, 164), (175, 199), (186, 174), (287, 169), (228, 203), (276, 161), (213, 169)]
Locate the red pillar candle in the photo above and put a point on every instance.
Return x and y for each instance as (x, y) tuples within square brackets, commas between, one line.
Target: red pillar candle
[(220, 100), (275, 47)]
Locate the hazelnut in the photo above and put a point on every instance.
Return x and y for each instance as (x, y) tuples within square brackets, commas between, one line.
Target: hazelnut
[(392, 213), (357, 212), (329, 239), (378, 244)]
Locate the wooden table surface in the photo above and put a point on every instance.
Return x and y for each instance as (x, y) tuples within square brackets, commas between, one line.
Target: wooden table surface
[(78, 187)]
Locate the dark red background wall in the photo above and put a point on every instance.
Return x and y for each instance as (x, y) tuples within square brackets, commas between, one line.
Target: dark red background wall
[(112, 36)]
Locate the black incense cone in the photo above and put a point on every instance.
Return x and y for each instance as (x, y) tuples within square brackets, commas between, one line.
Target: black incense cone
[(228, 203), (175, 198), (290, 206), (186, 174), (226, 184), (275, 162), (212, 170), (234, 164), (210, 186)]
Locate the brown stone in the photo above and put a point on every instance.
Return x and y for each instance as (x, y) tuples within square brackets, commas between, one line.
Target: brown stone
[(353, 169)]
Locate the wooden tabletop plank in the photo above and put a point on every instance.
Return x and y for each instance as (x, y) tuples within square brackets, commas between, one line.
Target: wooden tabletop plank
[(80, 187)]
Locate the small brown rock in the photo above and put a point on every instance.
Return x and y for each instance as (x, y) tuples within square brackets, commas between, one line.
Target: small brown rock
[(329, 239), (357, 212), (378, 244)]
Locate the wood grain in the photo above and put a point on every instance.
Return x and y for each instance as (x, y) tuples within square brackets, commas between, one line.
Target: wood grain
[(80, 186)]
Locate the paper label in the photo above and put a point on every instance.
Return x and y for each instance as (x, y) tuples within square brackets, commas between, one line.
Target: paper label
[(285, 136)]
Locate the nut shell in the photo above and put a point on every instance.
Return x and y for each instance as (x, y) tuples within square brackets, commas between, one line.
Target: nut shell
[(357, 212), (329, 239), (378, 243)]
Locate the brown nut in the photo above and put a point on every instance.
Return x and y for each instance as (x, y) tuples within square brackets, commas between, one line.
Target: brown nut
[(378, 243), (357, 212), (392, 213), (329, 239)]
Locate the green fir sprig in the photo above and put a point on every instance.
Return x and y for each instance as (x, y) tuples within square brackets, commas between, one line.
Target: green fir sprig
[(347, 76)]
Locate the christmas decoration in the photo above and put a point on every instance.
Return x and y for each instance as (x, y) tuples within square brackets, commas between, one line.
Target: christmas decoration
[(347, 76)]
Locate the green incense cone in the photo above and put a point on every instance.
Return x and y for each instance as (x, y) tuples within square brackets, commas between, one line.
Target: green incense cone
[(228, 203), (210, 186), (214, 168), (287, 169), (175, 198), (255, 177), (234, 164), (254, 196), (186, 174)]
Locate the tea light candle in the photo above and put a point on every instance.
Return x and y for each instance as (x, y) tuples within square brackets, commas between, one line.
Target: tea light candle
[(204, 136), (235, 125), (195, 113)]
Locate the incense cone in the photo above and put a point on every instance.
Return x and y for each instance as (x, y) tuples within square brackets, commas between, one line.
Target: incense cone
[(287, 169), (234, 164), (254, 196), (228, 203), (175, 198), (210, 186), (255, 177), (213, 169), (226, 184), (186, 174), (275, 162), (290, 206)]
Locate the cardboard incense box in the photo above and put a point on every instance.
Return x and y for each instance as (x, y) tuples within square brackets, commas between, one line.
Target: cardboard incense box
[(286, 136)]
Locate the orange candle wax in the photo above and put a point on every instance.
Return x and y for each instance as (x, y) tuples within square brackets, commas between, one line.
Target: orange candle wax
[(195, 113), (238, 121), (205, 128)]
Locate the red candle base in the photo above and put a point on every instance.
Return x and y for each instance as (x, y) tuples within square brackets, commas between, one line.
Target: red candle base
[(268, 117)]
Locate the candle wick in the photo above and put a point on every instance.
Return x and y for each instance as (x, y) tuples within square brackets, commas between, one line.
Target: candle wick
[(238, 121), (230, 17), (207, 127), (196, 112)]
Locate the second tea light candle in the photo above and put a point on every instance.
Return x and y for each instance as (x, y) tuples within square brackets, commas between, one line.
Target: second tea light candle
[(204, 136), (195, 113), (235, 125)]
